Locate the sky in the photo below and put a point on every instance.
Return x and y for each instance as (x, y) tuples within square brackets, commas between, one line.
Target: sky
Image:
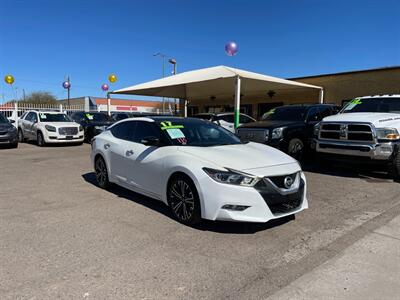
[(43, 41)]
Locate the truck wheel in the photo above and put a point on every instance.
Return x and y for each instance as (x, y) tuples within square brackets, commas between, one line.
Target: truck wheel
[(296, 148), (40, 140), (21, 138), (396, 166)]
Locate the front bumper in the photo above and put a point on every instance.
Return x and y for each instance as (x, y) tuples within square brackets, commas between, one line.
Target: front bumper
[(380, 151), (9, 138), (55, 138), (215, 195)]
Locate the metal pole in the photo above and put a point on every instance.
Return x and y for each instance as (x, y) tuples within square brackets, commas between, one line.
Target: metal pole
[(163, 75), (321, 96), (237, 102), (69, 86), (108, 104)]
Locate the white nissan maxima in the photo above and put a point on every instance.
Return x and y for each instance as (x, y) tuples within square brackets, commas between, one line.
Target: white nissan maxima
[(200, 170)]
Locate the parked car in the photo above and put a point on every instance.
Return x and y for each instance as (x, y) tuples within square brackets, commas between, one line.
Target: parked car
[(367, 129), (288, 128), (225, 120), (49, 127), (93, 123), (8, 132), (199, 170)]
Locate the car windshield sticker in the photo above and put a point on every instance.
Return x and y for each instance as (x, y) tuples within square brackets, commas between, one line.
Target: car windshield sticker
[(353, 103), (168, 125), (89, 116), (43, 116), (175, 133), (270, 112)]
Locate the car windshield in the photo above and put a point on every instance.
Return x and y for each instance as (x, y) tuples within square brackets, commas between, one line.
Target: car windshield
[(97, 117), (192, 132), (385, 105), (3, 119), (292, 113), (51, 117)]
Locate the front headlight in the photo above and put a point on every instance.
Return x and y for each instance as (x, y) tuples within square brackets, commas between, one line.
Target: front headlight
[(50, 128), (387, 134), (316, 129), (232, 177), (277, 133)]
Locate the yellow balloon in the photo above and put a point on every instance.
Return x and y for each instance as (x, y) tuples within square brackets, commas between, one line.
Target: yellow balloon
[(9, 79), (112, 78)]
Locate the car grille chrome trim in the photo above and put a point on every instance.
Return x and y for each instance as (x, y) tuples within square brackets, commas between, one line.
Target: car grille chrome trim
[(68, 130), (259, 135), (347, 131)]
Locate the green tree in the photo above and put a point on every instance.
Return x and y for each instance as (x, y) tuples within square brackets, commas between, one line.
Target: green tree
[(40, 97)]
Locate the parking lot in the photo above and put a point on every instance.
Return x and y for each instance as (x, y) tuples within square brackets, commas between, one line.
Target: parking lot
[(62, 236)]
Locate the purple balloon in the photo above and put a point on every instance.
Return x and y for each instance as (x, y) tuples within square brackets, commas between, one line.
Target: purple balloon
[(231, 48), (105, 87), (66, 85)]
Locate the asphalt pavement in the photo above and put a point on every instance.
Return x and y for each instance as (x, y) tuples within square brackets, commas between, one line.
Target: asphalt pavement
[(63, 237)]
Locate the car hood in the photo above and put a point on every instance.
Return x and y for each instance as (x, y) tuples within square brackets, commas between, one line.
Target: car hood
[(377, 119), (5, 126), (270, 124), (251, 157), (61, 124)]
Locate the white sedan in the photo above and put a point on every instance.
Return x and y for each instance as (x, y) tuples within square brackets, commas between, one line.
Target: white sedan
[(200, 170)]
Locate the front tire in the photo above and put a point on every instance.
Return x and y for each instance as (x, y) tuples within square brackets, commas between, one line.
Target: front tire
[(21, 138), (100, 169), (296, 149), (40, 139), (394, 169), (183, 200)]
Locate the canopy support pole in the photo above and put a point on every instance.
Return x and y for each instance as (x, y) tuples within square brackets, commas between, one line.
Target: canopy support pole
[(237, 101), (108, 104), (321, 96), (186, 105)]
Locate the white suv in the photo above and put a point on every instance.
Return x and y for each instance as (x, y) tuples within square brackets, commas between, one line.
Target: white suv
[(367, 129), (46, 127)]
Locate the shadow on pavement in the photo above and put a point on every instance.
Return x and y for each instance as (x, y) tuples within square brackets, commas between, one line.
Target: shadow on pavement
[(206, 225)]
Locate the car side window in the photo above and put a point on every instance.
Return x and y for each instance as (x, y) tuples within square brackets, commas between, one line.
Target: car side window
[(243, 119), (227, 118), (325, 111), (29, 117), (35, 118), (124, 131), (143, 130)]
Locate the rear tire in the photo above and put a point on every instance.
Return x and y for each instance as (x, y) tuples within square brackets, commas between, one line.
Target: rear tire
[(100, 169), (296, 149), (40, 140), (183, 200), (21, 138)]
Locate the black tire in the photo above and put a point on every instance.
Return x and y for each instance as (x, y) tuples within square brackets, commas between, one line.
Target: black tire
[(14, 145), (296, 149), (394, 168), (40, 139), (21, 138), (183, 200), (100, 169)]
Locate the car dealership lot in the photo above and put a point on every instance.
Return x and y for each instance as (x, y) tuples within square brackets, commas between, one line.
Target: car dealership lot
[(62, 236)]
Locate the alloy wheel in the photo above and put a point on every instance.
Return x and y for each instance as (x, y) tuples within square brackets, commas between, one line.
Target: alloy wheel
[(182, 201), (101, 173)]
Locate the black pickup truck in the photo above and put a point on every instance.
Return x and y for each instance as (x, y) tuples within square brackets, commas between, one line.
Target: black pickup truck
[(289, 128)]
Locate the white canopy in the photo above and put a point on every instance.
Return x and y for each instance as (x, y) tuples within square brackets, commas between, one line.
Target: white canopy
[(212, 81)]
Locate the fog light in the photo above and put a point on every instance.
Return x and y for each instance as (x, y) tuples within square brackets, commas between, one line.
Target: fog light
[(235, 207)]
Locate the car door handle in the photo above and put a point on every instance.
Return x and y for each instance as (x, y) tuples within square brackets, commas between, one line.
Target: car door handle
[(106, 146), (129, 153)]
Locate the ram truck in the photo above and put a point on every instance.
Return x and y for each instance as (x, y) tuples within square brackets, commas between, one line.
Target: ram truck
[(366, 129)]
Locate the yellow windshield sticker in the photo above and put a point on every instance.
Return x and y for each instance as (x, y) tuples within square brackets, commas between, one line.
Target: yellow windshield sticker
[(89, 116), (353, 103), (168, 125)]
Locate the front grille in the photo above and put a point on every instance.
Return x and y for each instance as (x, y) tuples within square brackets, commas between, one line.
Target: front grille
[(68, 130), (347, 132), (253, 135), (280, 203), (279, 180), (3, 132)]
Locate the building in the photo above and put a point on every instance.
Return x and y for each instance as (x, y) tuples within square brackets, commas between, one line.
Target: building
[(338, 89), (89, 103)]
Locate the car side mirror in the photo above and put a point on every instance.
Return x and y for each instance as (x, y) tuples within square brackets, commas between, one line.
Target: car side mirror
[(12, 121), (151, 141)]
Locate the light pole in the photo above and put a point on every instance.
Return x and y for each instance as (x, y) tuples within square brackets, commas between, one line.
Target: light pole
[(173, 62), (163, 75)]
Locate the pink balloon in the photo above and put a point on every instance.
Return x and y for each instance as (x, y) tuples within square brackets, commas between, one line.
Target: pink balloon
[(231, 48), (105, 87)]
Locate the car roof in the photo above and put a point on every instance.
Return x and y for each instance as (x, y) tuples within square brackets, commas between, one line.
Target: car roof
[(381, 96)]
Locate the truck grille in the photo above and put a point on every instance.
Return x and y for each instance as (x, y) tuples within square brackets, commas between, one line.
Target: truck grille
[(253, 135), (346, 132), (68, 130)]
